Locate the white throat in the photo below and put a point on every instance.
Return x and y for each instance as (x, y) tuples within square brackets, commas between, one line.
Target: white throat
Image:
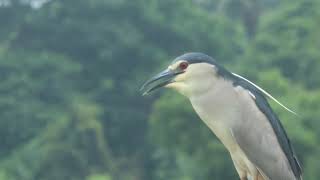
[(198, 79)]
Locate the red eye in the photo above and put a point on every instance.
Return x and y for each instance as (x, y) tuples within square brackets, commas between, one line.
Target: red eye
[(183, 65)]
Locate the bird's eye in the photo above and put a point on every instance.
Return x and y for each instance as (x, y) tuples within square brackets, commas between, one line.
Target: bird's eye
[(183, 65)]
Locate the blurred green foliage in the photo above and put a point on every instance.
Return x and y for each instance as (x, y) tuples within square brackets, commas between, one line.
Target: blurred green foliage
[(70, 74)]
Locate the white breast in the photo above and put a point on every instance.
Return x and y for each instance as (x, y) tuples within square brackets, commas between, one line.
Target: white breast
[(219, 109)]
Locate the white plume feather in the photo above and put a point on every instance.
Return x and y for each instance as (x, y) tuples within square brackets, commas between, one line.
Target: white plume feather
[(266, 93)]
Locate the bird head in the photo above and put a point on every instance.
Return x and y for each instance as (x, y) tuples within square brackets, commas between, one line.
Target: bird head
[(188, 74)]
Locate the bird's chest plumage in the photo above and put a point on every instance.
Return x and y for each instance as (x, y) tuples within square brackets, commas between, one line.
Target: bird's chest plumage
[(219, 109)]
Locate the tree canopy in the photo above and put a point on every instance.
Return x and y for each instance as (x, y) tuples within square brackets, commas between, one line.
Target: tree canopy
[(71, 71)]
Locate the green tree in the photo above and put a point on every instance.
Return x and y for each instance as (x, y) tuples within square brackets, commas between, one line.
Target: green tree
[(118, 43), (70, 73)]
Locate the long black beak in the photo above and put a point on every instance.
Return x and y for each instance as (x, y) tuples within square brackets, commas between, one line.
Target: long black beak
[(163, 78)]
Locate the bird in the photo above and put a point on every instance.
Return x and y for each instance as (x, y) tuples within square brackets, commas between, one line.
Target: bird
[(237, 111)]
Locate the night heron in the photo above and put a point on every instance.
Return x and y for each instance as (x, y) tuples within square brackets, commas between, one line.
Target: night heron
[(238, 113)]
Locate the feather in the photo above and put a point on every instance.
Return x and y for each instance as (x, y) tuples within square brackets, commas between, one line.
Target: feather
[(266, 93)]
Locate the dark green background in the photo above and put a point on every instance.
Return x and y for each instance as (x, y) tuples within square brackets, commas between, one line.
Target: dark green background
[(70, 73)]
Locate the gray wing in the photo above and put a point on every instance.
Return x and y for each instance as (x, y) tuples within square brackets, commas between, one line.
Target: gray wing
[(262, 148)]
